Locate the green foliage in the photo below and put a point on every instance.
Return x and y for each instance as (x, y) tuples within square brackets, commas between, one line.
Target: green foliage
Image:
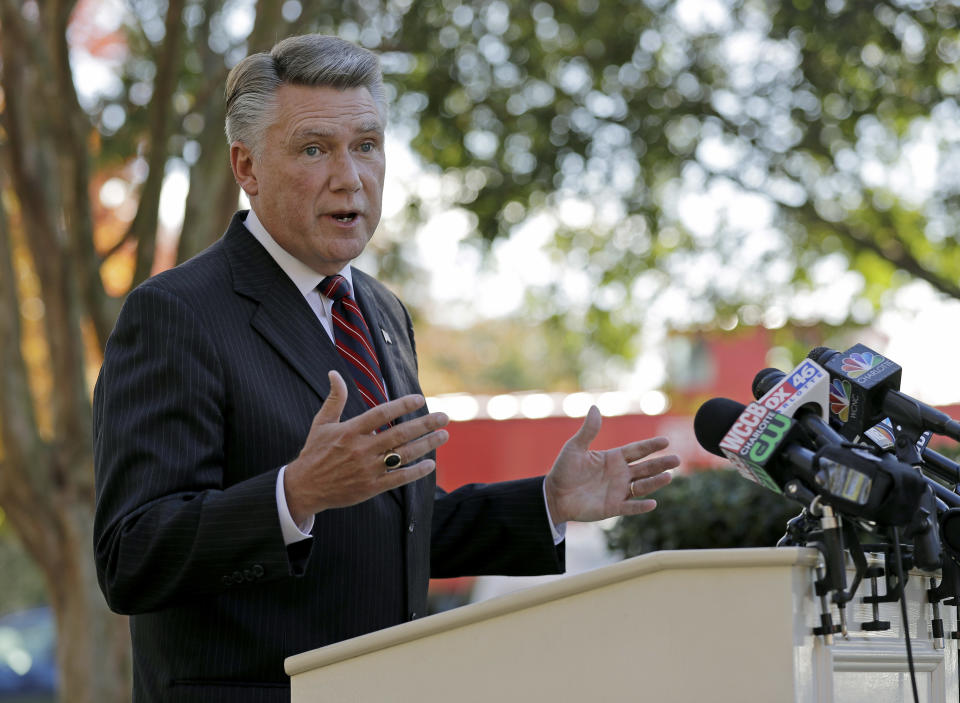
[(629, 105), (622, 110), (707, 510)]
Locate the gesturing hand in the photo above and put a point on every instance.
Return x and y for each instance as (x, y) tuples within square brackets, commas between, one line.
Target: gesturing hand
[(586, 484), (341, 463)]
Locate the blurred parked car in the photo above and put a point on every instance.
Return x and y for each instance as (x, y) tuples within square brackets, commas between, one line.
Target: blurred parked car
[(28, 665)]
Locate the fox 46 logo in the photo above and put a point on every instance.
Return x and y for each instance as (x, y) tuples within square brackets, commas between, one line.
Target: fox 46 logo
[(793, 387)]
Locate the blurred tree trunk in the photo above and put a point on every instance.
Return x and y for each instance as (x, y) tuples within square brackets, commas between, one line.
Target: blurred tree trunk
[(213, 194), (55, 314), (212, 197), (49, 276)]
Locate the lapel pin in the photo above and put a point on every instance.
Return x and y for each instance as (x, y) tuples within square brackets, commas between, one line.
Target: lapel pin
[(386, 337)]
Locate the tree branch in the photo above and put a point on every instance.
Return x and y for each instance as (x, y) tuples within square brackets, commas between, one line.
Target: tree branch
[(212, 197), (160, 118), (35, 153), (72, 134), (17, 420), (24, 452), (73, 137), (895, 250)]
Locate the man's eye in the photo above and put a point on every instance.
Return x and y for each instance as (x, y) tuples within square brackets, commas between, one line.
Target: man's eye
[(311, 151), (366, 147)]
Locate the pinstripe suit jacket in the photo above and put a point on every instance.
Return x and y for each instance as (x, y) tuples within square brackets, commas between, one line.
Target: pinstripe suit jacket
[(209, 384)]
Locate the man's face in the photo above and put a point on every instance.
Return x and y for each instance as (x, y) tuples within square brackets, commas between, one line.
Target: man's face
[(317, 185)]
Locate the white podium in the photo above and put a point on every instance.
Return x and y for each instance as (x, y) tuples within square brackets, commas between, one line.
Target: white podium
[(701, 625)]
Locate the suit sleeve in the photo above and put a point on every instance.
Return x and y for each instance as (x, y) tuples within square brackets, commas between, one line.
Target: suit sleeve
[(168, 526), (494, 529)]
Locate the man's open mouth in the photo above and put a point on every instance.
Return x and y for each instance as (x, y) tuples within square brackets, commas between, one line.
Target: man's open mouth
[(344, 216)]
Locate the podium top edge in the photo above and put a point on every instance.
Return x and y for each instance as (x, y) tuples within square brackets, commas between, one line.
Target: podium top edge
[(670, 560)]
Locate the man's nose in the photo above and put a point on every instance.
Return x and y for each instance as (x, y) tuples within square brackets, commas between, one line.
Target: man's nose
[(345, 175)]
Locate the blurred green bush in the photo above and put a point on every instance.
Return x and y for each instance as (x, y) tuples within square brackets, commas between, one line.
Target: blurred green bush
[(706, 510)]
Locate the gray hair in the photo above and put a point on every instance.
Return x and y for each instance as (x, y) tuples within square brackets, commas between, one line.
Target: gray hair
[(311, 60)]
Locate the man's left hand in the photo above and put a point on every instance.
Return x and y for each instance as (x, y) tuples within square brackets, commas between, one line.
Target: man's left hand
[(587, 484)]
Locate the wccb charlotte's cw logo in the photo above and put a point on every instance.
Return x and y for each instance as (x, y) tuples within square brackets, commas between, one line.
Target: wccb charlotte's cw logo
[(859, 363), (840, 399)]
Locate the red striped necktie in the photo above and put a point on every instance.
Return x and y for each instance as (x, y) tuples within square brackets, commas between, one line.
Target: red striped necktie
[(352, 338)]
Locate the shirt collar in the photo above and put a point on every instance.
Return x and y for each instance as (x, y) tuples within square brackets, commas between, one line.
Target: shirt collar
[(303, 277)]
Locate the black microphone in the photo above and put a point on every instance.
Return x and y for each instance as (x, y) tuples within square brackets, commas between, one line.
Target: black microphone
[(940, 466), (808, 414), (747, 437), (881, 434), (855, 482), (950, 530), (934, 464), (865, 389)]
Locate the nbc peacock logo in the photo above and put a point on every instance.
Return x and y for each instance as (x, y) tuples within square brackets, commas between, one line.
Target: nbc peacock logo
[(859, 363), (840, 399)]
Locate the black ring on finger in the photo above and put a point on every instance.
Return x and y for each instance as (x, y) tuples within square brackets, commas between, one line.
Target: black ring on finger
[(392, 460)]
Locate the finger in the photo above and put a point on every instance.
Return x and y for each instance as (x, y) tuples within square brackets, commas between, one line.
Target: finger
[(657, 465), (412, 451), (637, 507), (588, 430), (639, 487), (408, 474), (638, 450), (333, 404), (405, 432), (385, 413)]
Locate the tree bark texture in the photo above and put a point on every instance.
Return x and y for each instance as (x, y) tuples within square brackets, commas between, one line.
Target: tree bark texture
[(47, 241)]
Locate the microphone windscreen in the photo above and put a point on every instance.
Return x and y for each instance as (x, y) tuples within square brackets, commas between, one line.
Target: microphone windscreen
[(765, 380), (714, 418), (822, 354)]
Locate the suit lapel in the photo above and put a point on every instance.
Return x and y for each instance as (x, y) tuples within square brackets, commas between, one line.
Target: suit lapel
[(283, 317), (286, 321)]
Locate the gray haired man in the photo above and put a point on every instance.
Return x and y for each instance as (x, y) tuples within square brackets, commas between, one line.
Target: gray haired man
[(264, 458)]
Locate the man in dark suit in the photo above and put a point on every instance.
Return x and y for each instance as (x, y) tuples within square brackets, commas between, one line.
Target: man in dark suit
[(264, 458)]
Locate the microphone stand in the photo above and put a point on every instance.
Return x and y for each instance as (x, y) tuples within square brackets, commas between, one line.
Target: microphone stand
[(927, 550), (827, 538)]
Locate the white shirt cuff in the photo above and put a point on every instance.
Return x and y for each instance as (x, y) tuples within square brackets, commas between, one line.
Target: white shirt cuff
[(292, 532), (559, 532)]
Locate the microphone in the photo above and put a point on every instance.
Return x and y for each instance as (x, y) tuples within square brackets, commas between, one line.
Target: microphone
[(773, 383), (754, 436), (881, 435), (865, 389), (804, 394), (748, 436), (935, 464), (763, 445)]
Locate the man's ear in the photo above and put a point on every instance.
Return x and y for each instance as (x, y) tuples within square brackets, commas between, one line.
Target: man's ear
[(242, 163)]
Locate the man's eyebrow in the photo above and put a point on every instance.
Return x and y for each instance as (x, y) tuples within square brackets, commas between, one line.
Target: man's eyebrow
[(361, 128), (312, 133), (370, 126)]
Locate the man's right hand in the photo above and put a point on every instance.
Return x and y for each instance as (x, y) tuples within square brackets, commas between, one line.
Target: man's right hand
[(341, 463)]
